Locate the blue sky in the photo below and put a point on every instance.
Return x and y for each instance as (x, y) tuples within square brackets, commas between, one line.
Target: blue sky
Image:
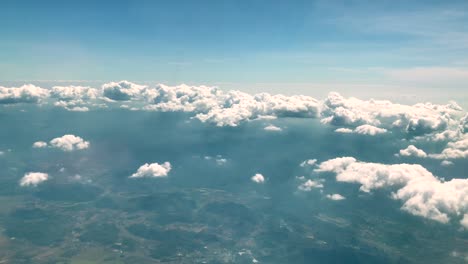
[(278, 46)]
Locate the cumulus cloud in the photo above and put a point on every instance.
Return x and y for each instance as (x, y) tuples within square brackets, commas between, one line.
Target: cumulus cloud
[(234, 107), (152, 170), (258, 178), (24, 94), (272, 128), (415, 119), (413, 151), (33, 178), (71, 93), (309, 185), (454, 150), (335, 197), (421, 192), (65, 143), (309, 162), (69, 143), (369, 130), (230, 108), (363, 130), (40, 144), (122, 91)]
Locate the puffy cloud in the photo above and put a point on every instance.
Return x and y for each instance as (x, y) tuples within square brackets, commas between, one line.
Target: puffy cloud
[(422, 193), (33, 178), (454, 150), (369, 130), (309, 162), (411, 150), (235, 106), (122, 91), (227, 108), (335, 197), (258, 178), (70, 93), (183, 98), (40, 144), (415, 119), (74, 105), (272, 128), (309, 185), (24, 94), (210, 104), (69, 143), (152, 170)]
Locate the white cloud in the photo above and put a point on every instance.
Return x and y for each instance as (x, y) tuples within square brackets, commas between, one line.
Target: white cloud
[(70, 93), (415, 119), (272, 128), (446, 163), (309, 162), (309, 185), (258, 178), (363, 130), (69, 143), (234, 107), (230, 108), (411, 150), (122, 91), (335, 197), (40, 144), (369, 130), (464, 221), (73, 105), (24, 94), (153, 170), (422, 193), (33, 178), (344, 130), (455, 150)]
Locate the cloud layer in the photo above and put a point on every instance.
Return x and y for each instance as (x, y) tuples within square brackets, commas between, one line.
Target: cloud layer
[(230, 108), (447, 123)]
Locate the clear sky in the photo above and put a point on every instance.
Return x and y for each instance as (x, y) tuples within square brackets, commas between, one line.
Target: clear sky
[(278, 46)]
